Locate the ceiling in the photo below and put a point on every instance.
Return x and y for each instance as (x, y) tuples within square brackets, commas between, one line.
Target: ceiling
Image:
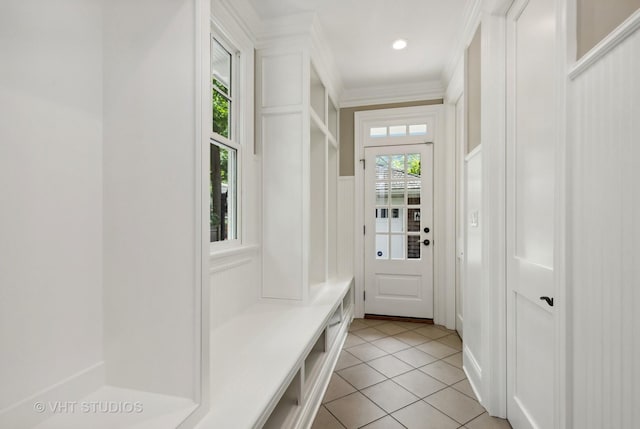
[(361, 32)]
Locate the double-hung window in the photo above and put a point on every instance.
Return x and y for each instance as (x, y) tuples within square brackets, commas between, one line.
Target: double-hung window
[(224, 147)]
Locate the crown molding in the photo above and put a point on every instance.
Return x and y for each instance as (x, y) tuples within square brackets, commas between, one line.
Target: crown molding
[(242, 13), (398, 93), (471, 21)]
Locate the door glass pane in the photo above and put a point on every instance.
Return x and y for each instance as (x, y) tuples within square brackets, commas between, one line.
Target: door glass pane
[(382, 168), (397, 220), (413, 194), (413, 165), (382, 193), (397, 247), (382, 220), (382, 246), (397, 193), (413, 220), (413, 247), (397, 167)]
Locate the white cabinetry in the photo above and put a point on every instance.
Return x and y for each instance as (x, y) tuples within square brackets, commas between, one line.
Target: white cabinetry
[(297, 128)]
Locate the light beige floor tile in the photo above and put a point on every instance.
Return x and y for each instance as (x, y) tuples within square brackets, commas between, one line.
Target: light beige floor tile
[(366, 352), (455, 360), (390, 345), (390, 328), (452, 341), (465, 387), (390, 366), (346, 360), (372, 322), (444, 372), (387, 422), (337, 388), (415, 357), (421, 415), (411, 337), (371, 334), (456, 405), (485, 421), (431, 332), (389, 396), (355, 410), (361, 376), (419, 383), (325, 420), (436, 349), (353, 340), (356, 325)]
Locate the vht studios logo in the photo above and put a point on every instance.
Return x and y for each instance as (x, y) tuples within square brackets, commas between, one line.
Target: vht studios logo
[(89, 407)]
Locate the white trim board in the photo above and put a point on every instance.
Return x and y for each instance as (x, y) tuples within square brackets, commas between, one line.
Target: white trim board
[(398, 93), (442, 236)]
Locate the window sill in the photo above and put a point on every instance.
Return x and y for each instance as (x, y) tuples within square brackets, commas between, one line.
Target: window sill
[(216, 255)]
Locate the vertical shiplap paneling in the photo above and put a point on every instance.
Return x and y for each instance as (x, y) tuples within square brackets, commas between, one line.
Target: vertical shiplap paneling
[(604, 217), (346, 219)]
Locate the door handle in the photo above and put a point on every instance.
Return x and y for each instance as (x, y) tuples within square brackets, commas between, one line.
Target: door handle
[(547, 300), (426, 242)]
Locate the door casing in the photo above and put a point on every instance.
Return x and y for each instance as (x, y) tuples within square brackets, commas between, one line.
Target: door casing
[(443, 233)]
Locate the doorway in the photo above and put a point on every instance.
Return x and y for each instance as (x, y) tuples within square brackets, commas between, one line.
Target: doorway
[(402, 151), (399, 217)]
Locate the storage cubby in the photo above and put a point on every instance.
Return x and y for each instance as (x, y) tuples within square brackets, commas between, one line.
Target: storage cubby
[(333, 118), (333, 327), (317, 94), (286, 410), (314, 361)]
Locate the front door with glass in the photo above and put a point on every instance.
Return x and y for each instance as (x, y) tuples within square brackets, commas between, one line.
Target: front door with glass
[(398, 230)]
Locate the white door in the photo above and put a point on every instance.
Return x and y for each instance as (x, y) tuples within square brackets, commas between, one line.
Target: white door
[(530, 213), (398, 230)]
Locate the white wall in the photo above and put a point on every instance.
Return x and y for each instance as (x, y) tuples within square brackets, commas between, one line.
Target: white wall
[(150, 195), (604, 232), (51, 192)]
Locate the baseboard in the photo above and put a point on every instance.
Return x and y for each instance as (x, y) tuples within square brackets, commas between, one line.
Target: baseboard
[(25, 414), (398, 319)]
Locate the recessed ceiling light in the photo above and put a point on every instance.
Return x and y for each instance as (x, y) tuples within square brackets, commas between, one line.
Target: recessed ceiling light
[(399, 44)]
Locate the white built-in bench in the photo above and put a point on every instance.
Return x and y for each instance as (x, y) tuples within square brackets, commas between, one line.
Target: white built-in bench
[(271, 364)]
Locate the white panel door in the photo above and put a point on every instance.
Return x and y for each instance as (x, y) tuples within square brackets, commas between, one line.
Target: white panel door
[(530, 213), (398, 223)]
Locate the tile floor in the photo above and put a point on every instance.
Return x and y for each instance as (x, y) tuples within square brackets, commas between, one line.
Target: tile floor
[(401, 375)]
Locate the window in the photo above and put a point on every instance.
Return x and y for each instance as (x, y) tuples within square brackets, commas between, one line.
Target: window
[(224, 149)]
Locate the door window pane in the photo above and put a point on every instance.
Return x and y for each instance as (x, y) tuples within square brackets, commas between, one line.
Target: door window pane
[(382, 168), (382, 220), (397, 193), (382, 246), (413, 247), (397, 167), (414, 167), (397, 220), (413, 194), (382, 193), (413, 220), (397, 247)]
